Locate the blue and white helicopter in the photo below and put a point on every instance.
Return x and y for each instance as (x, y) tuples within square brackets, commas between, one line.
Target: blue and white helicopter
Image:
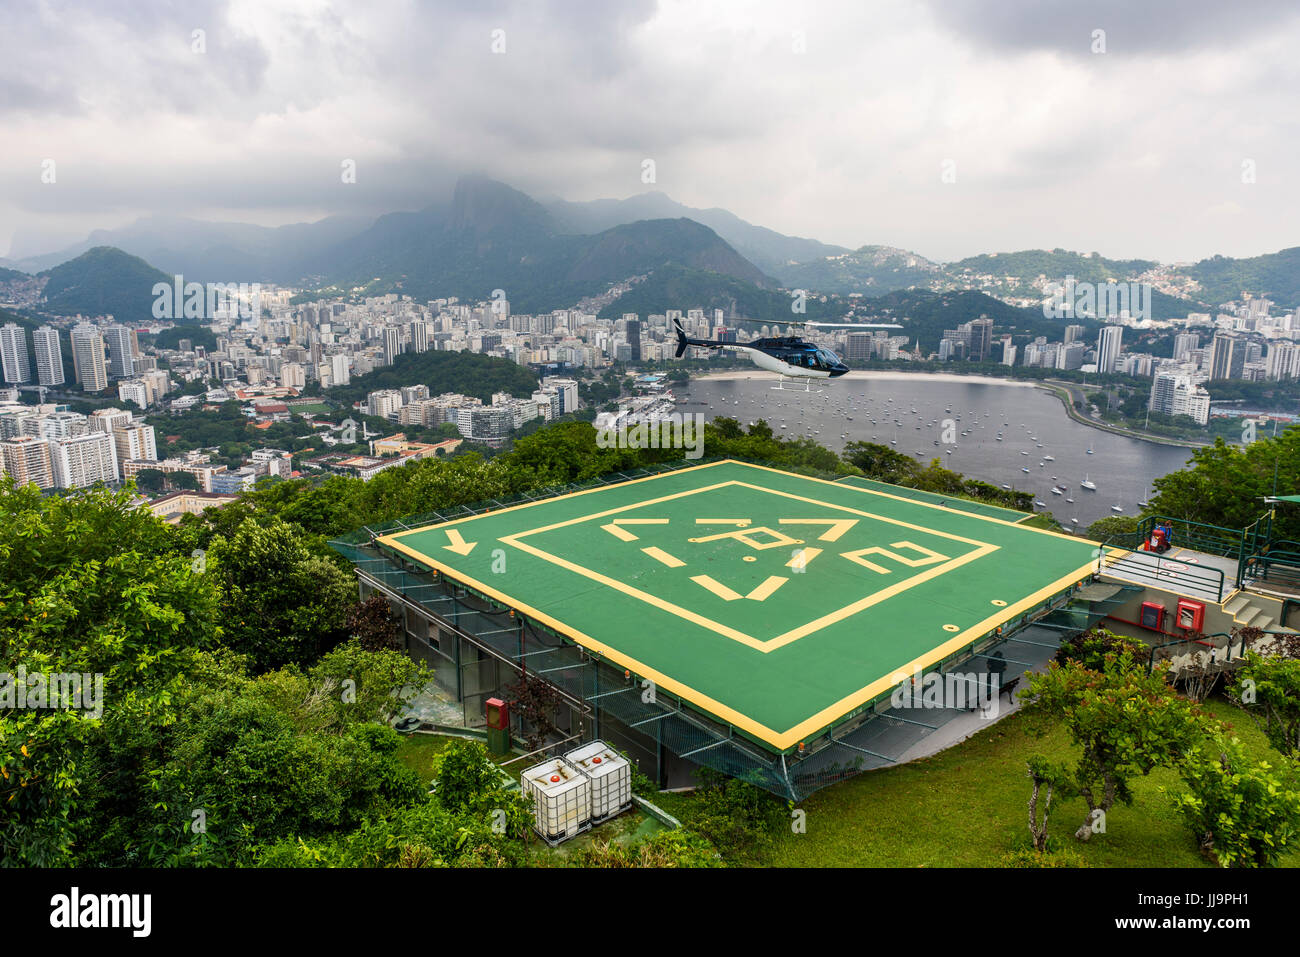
[(791, 357)]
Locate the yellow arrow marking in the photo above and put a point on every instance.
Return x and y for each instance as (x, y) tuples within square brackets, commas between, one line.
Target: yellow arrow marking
[(622, 533), (838, 526), (458, 543)]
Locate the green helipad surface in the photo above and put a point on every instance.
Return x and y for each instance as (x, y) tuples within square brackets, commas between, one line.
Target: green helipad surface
[(774, 602), (948, 501)]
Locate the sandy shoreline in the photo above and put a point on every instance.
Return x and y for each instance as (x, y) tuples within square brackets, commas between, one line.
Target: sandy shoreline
[(867, 374)]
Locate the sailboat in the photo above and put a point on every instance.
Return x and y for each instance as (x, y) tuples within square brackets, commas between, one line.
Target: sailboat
[(1142, 502), (1089, 448), (1117, 507), (1088, 483)]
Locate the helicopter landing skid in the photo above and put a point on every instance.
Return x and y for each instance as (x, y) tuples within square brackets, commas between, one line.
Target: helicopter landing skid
[(779, 387)]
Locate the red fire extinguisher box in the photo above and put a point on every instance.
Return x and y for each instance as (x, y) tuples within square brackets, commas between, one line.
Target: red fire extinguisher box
[(1191, 614), (1153, 616), (497, 713)]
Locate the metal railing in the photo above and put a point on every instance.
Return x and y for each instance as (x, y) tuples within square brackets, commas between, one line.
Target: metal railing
[(1204, 581), (1271, 567)]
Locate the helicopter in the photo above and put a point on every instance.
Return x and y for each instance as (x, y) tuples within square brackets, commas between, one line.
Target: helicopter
[(791, 357)]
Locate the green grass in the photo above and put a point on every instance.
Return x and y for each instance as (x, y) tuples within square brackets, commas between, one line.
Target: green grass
[(417, 750), (964, 807), (967, 807), (314, 408)]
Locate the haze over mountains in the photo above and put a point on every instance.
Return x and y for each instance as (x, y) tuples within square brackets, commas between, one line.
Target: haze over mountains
[(549, 255)]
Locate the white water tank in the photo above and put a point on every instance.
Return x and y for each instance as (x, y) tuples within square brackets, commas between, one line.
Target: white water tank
[(610, 775), (561, 798)]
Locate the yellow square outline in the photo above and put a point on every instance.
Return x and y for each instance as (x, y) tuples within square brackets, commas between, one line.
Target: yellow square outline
[(759, 644)]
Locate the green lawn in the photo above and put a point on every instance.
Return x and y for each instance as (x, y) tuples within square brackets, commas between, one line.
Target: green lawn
[(966, 807)]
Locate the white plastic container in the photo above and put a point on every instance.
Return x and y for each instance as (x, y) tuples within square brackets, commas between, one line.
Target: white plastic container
[(561, 798), (610, 775)]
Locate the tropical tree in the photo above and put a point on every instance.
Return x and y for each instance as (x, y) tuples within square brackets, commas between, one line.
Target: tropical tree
[(1127, 723), (281, 603)]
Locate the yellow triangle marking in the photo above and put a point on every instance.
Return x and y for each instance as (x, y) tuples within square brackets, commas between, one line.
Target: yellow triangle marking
[(458, 543), (719, 589), (763, 591), (659, 555)]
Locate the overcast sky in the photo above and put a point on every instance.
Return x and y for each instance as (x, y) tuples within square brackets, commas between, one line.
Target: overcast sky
[(834, 120)]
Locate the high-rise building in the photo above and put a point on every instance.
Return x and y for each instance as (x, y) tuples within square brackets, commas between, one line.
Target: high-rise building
[(121, 351), (420, 336), (1227, 357), (293, 376), (106, 420), (1108, 346), (27, 459), (13, 354), (49, 360), (134, 390), (1074, 334), (134, 442), (82, 461), (339, 368), (1185, 343), (1175, 394), (981, 339), (88, 358), (634, 338), (392, 344), (1283, 360)]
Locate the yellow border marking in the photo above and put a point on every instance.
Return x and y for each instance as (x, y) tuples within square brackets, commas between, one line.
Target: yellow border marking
[(813, 724)]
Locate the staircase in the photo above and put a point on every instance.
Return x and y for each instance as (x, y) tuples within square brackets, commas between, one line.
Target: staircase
[(1249, 610)]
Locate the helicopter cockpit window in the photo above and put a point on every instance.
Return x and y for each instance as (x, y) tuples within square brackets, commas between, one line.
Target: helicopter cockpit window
[(826, 359)]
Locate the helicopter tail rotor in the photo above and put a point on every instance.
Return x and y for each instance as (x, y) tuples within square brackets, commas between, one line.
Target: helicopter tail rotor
[(681, 338)]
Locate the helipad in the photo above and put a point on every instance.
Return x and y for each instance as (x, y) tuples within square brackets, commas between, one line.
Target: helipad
[(774, 602)]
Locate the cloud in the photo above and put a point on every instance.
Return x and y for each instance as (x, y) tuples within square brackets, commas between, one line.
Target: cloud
[(831, 120)]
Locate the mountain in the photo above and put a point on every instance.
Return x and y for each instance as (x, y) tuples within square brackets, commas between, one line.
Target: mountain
[(767, 249), (495, 237), (1054, 265), (869, 271), (1273, 276), (215, 252), (925, 315), (7, 275), (103, 281), (674, 286)]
